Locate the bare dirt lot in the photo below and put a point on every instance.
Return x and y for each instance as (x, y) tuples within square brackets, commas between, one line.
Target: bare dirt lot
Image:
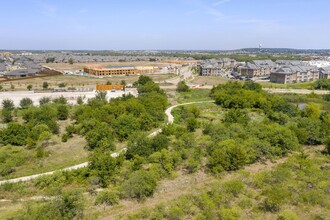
[(79, 66), (80, 81)]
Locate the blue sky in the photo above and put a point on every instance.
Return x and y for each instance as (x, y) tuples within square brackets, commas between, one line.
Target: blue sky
[(163, 24)]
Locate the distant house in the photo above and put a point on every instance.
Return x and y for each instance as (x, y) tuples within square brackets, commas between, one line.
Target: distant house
[(257, 68), (2, 68), (324, 72), (20, 73), (294, 74)]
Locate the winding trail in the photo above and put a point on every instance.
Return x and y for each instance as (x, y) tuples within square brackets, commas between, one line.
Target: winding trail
[(170, 120)]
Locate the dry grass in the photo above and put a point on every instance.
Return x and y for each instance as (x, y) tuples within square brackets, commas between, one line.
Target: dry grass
[(9, 209), (183, 184), (60, 155), (79, 81), (209, 80)]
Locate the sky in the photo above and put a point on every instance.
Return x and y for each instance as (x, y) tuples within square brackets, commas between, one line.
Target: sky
[(163, 24)]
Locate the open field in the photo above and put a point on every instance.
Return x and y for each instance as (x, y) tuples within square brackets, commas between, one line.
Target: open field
[(209, 80), (215, 80), (79, 66), (194, 95), (305, 85), (78, 81), (60, 155)]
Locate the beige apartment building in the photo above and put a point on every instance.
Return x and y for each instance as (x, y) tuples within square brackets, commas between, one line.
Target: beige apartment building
[(294, 74)]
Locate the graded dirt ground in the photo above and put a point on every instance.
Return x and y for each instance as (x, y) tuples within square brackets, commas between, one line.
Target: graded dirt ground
[(79, 66), (78, 81)]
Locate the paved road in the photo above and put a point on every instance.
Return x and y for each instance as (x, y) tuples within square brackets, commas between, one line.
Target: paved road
[(79, 166)]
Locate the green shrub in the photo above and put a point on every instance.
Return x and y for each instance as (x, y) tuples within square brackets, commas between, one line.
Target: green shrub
[(140, 185), (64, 138), (107, 197), (287, 215)]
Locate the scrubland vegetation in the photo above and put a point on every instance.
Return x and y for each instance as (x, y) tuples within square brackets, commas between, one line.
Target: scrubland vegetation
[(245, 127)]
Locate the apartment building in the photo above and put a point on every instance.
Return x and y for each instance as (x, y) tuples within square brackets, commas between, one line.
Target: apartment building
[(257, 68), (294, 74), (325, 72)]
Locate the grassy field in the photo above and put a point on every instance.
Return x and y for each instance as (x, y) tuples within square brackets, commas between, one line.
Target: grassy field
[(209, 80), (194, 95), (214, 80), (305, 85), (56, 156)]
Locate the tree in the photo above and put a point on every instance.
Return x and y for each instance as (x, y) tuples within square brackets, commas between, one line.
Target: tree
[(14, 134), (103, 166), (45, 85), (29, 87), (100, 137), (149, 87), (8, 104), (50, 60), (182, 87), (159, 142), (25, 103), (252, 86), (139, 144), (313, 111), (123, 82), (322, 84), (109, 82), (192, 124), (71, 61), (68, 205), (6, 115), (236, 116), (107, 197), (140, 185), (142, 81), (61, 100), (44, 100), (227, 156), (80, 100), (62, 85), (101, 95), (62, 112), (126, 125)]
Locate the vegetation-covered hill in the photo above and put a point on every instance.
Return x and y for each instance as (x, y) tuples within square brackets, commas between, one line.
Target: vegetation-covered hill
[(206, 148)]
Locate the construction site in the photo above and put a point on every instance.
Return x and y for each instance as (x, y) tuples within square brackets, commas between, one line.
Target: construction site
[(118, 70)]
